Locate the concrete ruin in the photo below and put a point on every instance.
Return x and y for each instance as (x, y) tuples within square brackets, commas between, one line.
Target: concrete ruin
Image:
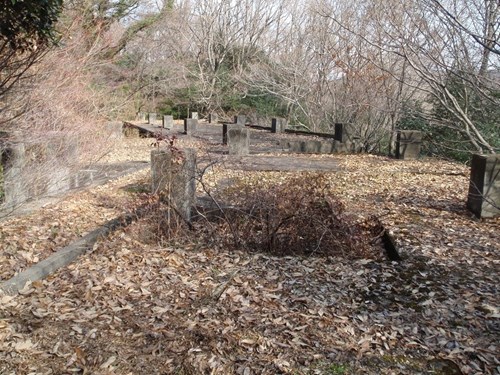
[(213, 118), (151, 118), (408, 144), (168, 122), (190, 125), (484, 188), (173, 175), (278, 125), (238, 140), (240, 120)]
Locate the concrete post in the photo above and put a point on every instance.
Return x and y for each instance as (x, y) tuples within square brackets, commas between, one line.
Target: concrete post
[(278, 125), (190, 125), (240, 120), (408, 144), (151, 118), (168, 122), (339, 132), (194, 115), (213, 118), (238, 139), (173, 177), (484, 188)]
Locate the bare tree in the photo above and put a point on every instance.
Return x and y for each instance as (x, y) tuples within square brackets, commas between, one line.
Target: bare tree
[(440, 42)]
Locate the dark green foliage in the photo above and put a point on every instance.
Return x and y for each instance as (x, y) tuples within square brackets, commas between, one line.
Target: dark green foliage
[(26, 25)]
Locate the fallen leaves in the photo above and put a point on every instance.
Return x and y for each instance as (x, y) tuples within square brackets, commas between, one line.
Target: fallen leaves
[(130, 307)]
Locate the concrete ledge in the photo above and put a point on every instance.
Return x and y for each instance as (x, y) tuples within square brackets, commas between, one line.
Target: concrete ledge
[(67, 254)]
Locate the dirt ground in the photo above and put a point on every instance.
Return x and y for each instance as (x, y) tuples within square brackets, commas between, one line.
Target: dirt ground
[(136, 306)]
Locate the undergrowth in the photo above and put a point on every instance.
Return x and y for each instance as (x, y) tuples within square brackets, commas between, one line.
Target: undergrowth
[(296, 215)]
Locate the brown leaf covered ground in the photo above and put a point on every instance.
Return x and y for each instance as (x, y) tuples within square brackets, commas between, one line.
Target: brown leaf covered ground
[(132, 307)]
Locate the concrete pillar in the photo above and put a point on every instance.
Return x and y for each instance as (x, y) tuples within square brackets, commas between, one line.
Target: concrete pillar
[(213, 118), (190, 125), (278, 125), (151, 118), (173, 178), (224, 133), (238, 140), (141, 116), (168, 122), (484, 188), (408, 144), (339, 132), (240, 120)]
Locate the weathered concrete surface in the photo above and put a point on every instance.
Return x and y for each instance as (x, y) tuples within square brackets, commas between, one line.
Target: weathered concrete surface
[(152, 118), (408, 144), (68, 254), (173, 178), (240, 120), (484, 188), (278, 125), (168, 122), (238, 140), (213, 118), (190, 125)]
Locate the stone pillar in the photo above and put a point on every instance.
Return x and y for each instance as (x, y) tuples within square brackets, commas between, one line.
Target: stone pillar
[(339, 132), (213, 118), (408, 144), (151, 118), (194, 115), (238, 140), (484, 188), (224, 133), (173, 177), (168, 122), (278, 125), (190, 125), (240, 120)]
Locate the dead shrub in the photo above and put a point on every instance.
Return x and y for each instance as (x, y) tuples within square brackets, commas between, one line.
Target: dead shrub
[(297, 216)]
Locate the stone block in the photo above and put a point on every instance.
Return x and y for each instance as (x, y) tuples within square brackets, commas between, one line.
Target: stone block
[(213, 118), (141, 116), (408, 144), (238, 140), (151, 118), (190, 125), (168, 122), (240, 120), (173, 178), (225, 128), (339, 133), (278, 125), (484, 187)]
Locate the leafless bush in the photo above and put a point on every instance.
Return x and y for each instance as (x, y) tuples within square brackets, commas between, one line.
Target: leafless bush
[(297, 216)]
